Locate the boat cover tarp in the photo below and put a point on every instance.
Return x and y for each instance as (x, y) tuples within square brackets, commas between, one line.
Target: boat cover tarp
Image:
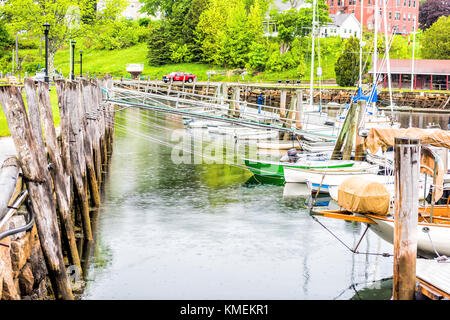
[(385, 137), (435, 137), (360, 195)]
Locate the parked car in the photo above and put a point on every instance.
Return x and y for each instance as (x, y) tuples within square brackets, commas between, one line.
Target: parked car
[(179, 76), (40, 75)]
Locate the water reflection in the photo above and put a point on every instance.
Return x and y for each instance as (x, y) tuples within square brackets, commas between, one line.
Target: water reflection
[(203, 231)]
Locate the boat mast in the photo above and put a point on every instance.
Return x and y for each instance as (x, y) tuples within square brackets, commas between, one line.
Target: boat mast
[(312, 53), (386, 53), (413, 51), (375, 56), (361, 43)]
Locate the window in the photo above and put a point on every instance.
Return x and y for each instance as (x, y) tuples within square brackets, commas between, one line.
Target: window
[(338, 2), (397, 16), (414, 3), (404, 3), (404, 29), (332, 3), (389, 27), (390, 15), (409, 3), (404, 16), (409, 16), (397, 3)]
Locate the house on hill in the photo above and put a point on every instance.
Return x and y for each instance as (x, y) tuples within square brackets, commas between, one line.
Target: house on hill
[(428, 74), (344, 25)]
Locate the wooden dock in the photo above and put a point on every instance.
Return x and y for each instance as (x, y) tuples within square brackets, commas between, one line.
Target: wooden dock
[(433, 279)]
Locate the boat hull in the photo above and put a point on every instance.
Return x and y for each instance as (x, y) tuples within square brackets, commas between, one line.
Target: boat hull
[(273, 172), (440, 235)]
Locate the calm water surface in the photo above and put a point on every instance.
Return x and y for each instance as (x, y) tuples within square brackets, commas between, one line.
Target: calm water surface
[(198, 231)]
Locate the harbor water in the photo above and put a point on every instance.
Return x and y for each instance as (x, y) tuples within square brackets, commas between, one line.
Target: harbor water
[(170, 230)]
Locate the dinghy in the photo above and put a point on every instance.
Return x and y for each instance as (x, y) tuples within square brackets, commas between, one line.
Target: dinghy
[(273, 171), (297, 175)]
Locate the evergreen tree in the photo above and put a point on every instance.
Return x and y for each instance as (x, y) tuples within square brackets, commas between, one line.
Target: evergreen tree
[(347, 65)]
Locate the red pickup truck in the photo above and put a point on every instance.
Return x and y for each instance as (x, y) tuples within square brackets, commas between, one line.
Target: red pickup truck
[(179, 76)]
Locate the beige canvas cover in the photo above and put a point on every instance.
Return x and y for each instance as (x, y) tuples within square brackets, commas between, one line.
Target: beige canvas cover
[(385, 137), (435, 137), (360, 195)]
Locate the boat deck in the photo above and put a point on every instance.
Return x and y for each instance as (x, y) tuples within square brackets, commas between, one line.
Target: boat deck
[(433, 279)]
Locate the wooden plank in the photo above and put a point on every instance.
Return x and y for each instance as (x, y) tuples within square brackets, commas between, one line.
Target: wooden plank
[(342, 216), (39, 188), (434, 276)]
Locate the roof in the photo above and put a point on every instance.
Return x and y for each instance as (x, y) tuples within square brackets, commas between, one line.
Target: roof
[(339, 19), (403, 66)]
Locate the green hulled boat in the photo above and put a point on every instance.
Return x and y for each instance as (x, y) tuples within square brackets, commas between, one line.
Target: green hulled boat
[(272, 172)]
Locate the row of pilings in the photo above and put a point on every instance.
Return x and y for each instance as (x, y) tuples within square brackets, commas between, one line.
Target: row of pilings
[(63, 172)]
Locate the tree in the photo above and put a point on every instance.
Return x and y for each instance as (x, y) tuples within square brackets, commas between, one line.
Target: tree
[(347, 65), (298, 22), (431, 10), (6, 43), (159, 44), (68, 19), (436, 40)]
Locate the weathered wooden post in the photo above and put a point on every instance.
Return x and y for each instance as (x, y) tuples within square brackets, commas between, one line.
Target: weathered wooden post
[(283, 104), (359, 143), (36, 176), (407, 165), (299, 111), (348, 147), (77, 155), (57, 172)]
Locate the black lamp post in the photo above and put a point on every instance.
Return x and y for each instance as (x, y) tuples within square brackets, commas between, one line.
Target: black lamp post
[(73, 59), (46, 30), (81, 63)]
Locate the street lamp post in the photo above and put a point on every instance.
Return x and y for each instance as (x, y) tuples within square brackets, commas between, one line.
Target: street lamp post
[(81, 63), (46, 30), (73, 59)]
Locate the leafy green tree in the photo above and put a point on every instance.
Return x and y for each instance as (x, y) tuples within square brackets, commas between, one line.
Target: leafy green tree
[(298, 23), (347, 65), (436, 40), (6, 43), (68, 19), (257, 56), (211, 31)]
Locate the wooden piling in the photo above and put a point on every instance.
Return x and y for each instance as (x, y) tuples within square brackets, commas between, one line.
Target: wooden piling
[(407, 164), (57, 172), (87, 128), (359, 142), (77, 156), (299, 113), (39, 187)]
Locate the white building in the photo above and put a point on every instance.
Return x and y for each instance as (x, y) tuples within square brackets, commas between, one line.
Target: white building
[(132, 11), (270, 27), (344, 25)]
